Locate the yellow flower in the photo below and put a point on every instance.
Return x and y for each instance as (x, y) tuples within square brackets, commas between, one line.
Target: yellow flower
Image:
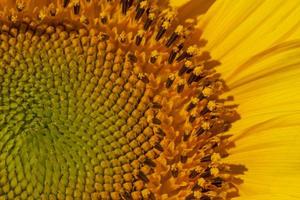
[(142, 99)]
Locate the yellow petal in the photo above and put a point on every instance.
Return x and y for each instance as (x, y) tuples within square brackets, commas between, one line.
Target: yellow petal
[(191, 8), (267, 136), (269, 84), (238, 30), (268, 196), (258, 44), (178, 3), (270, 151)]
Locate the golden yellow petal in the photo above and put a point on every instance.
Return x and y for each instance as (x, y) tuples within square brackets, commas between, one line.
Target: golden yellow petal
[(190, 8), (267, 138), (271, 155), (269, 196), (178, 3), (238, 30), (258, 44), (270, 83)]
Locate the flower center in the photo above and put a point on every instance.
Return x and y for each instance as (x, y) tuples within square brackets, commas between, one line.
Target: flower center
[(108, 100)]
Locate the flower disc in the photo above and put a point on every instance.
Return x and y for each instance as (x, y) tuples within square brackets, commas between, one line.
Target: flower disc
[(108, 100)]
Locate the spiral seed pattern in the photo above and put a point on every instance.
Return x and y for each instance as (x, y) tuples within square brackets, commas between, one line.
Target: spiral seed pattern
[(109, 100)]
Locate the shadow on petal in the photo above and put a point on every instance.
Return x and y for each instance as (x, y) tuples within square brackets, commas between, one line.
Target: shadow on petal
[(193, 9)]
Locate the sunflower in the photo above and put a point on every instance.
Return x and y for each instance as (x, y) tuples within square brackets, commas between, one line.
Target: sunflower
[(142, 99)]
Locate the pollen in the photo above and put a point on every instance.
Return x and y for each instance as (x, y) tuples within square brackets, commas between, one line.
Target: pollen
[(108, 100)]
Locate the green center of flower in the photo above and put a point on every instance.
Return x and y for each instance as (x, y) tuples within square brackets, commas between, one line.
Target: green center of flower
[(72, 114)]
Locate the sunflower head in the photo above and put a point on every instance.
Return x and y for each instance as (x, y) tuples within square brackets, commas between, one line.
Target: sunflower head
[(109, 100)]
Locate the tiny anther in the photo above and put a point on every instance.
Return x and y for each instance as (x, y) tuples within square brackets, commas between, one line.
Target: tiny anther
[(186, 136), (201, 182), (84, 19), (52, 10), (200, 96), (156, 121), (205, 198), (103, 36), (76, 8), (204, 111), (20, 5), (211, 105), (139, 37), (214, 171), (149, 162), (187, 65), (196, 75), (191, 51), (183, 157), (193, 174), (124, 6), (206, 173), (151, 196), (160, 33), (206, 125), (207, 91), (149, 21), (217, 182), (180, 86), (192, 118), (190, 197), (153, 57), (175, 35), (192, 104), (163, 28), (132, 58), (103, 18), (199, 131), (170, 80), (130, 2), (172, 55), (183, 56), (206, 158), (142, 176), (216, 157), (174, 170), (143, 77), (122, 37), (65, 3), (161, 132), (126, 196), (196, 187), (158, 147), (214, 145), (180, 46), (156, 105), (170, 15), (42, 14), (140, 10)]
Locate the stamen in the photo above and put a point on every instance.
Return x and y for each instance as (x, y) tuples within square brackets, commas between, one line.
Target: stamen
[(139, 37), (66, 2), (140, 10), (187, 65), (149, 21), (163, 28), (170, 81), (76, 8), (180, 86), (175, 35), (125, 6)]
